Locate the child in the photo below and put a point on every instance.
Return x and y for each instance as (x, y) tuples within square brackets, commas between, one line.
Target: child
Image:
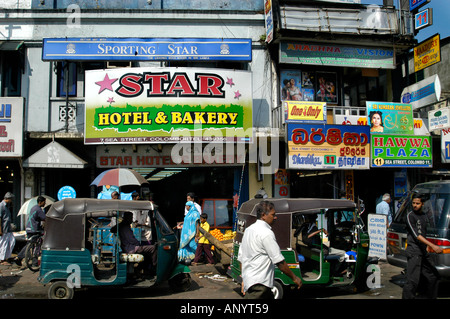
[(203, 243)]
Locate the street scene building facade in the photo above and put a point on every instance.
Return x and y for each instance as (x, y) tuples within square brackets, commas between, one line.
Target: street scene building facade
[(227, 99)]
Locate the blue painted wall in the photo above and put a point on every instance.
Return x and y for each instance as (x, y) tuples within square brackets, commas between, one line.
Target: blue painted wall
[(222, 5)]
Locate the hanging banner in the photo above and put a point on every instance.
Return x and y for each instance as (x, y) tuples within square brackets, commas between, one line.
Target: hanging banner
[(390, 118), (314, 146), (422, 93), (401, 151), (168, 105)]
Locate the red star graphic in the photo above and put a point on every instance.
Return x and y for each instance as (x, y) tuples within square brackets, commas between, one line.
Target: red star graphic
[(106, 84)]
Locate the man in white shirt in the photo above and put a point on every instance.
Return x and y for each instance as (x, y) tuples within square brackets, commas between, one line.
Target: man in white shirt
[(259, 253), (384, 209)]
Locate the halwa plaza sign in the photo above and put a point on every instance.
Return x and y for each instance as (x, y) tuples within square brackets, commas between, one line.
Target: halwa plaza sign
[(168, 105)]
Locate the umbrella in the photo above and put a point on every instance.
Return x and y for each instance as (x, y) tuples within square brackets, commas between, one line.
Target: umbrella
[(28, 205), (119, 177)]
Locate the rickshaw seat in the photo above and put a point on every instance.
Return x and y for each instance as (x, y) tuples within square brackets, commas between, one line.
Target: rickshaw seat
[(135, 258)]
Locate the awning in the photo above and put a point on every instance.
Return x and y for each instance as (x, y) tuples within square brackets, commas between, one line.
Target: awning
[(54, 155), (10, 45)]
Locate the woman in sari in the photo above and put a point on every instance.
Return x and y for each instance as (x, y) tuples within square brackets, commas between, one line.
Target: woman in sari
[(186, 252)]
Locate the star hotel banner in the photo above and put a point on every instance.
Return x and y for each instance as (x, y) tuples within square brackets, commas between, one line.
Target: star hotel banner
[(168, 105), (315, 146), (336, 55), (401, 151)]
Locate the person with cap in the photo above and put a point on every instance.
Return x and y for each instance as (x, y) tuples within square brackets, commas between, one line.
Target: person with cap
[(7, 240)]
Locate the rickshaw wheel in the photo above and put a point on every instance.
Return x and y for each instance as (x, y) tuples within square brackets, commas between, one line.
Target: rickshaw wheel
[(180, 282), (277, 290), (60, 290)]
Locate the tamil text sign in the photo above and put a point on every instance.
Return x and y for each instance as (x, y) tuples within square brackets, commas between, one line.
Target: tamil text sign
[(315, 146)]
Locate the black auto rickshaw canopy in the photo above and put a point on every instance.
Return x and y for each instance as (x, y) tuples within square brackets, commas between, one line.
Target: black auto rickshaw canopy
[(284, 209), (65, 223)]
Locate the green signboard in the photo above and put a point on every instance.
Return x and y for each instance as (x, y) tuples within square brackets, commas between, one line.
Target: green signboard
[(401, 151)]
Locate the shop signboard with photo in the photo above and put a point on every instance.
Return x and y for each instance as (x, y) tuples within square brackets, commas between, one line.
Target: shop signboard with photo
[(390, 118), (401, 151), (318, 146), (168, 105)]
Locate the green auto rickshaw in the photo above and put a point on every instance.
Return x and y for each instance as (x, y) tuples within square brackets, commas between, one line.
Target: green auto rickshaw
[(79, 250), (339, 259)]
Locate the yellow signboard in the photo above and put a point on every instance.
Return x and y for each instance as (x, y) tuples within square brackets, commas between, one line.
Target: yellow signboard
[(306, 112), (427, 53)]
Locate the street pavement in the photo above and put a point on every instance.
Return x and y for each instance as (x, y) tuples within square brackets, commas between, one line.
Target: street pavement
[(208, 282)]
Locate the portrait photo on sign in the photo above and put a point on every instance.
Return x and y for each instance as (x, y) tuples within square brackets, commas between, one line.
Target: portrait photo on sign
[(326, 84)]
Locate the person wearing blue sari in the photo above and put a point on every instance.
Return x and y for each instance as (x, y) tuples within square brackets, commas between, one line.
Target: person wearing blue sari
[(188, 245)]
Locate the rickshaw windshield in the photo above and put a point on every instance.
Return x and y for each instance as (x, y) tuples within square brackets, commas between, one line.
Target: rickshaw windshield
[(164, 226)]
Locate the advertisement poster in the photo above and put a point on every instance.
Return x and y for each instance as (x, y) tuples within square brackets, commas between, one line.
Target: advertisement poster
[(390, 118), (445, 146), (306, 112), (282, 189), (315, 146), (11, 126), (427, 53), (376, 225), (326, 87), (168, 105), (401, 151)]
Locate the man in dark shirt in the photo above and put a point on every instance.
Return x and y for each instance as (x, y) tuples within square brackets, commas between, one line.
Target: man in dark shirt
[(33, 226), (131, 245), (419, 264)]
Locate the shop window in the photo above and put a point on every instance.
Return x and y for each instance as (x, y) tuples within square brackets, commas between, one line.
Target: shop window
[(67, 79), (11, 73)]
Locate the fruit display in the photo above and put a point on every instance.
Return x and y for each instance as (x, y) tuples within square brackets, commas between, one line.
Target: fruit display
[(220, 236)]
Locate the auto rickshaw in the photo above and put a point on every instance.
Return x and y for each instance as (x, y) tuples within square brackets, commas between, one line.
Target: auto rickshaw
[(79, 250), (316, 265)]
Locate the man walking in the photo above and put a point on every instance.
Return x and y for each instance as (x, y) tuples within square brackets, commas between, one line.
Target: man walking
[(420, 266), (259, 253)]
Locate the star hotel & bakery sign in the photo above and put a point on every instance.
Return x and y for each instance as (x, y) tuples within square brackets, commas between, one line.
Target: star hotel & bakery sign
[(168, 105)]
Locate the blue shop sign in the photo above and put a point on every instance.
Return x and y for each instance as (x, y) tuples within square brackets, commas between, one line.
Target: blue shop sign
[(155, 49), (415, 4), (66, 192)]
